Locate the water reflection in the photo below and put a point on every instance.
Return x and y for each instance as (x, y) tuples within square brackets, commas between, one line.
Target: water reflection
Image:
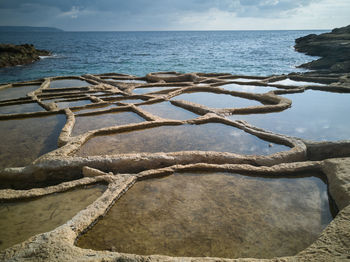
[(27, 139), (17, 92), (145, 90), (21, 108), (68, 83), (167, 110), (214, 214), (23, 219), (73, 103), (87, 123), (289, 82), (314, 115), (248, 88), (207, 137), (214, 100), (134, 81)]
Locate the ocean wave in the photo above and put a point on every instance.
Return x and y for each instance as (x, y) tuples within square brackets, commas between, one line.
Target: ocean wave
[(49, 56)]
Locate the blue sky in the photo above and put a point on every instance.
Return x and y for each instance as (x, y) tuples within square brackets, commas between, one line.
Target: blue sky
[(130, 15)]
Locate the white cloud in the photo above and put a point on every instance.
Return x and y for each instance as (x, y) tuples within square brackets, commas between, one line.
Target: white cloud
[(73, 13)]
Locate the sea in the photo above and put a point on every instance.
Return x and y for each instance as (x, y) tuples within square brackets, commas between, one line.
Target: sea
[(138, 53)]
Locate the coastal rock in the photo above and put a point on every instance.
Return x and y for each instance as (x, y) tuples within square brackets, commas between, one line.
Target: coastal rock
[(12, 55), (333, 48)]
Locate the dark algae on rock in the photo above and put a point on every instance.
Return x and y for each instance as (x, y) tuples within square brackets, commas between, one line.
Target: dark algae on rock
[(12, 55), (333, 48)]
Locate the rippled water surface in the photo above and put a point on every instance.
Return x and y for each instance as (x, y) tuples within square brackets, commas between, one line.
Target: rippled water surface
[(138, 53)]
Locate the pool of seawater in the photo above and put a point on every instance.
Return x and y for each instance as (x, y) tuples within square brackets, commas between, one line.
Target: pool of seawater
[(216, 215), (26, 139), (74, 103), (20, 220), (130, 101), (314, 115), (96, 108), (17, 91), (68, 83), (167, 110), (243, 79), (289, 82), (131, 81), (214, 100), (248, 88), (145, 90), (165, 75), (87, 123), (206, 137), (21, 108)]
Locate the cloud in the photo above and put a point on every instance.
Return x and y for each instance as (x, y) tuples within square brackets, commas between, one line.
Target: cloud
[(73, 13), (168, 6), (176, 15)]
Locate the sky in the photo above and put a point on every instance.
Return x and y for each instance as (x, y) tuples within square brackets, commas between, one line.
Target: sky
[(152, 15)]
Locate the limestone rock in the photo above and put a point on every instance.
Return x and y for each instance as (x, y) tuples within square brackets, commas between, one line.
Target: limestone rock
[(12, 55), (333, 48)]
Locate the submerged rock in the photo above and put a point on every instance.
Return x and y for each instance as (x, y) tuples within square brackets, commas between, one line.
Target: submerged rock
[(12, 55), (333, 48)]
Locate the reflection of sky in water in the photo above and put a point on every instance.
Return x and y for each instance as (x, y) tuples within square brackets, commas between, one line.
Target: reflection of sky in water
[(68, 83), (205, 137), (216, 100), (87, 123), (165, 75), (17, 92), (248, 88), (73, 103), (314, 115), (127, 81), (131, 101), (290, 82), (23, 219), (241, 79), (92, 109), (21, 108), (28, 138), (152, 89), (214, 214), (167, 110)]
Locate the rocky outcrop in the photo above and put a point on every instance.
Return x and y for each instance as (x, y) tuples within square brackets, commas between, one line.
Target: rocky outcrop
[(333, 48), (12, 55)]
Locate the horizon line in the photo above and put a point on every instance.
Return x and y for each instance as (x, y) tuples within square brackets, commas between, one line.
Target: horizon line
[(196, 30), (167, 30)]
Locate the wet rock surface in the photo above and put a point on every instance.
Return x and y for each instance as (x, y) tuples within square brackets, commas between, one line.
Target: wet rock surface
[(333, 48), (12, 55), (110, 99)]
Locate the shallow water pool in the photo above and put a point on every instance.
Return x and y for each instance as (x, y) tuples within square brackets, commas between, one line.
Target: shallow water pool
[(205, 137), (216, 215)]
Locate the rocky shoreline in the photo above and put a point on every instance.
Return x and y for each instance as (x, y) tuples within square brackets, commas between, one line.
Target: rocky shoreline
[(12, 55), (333, 48)]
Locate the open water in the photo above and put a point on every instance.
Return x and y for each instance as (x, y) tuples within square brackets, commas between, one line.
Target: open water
[(138, 53)]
